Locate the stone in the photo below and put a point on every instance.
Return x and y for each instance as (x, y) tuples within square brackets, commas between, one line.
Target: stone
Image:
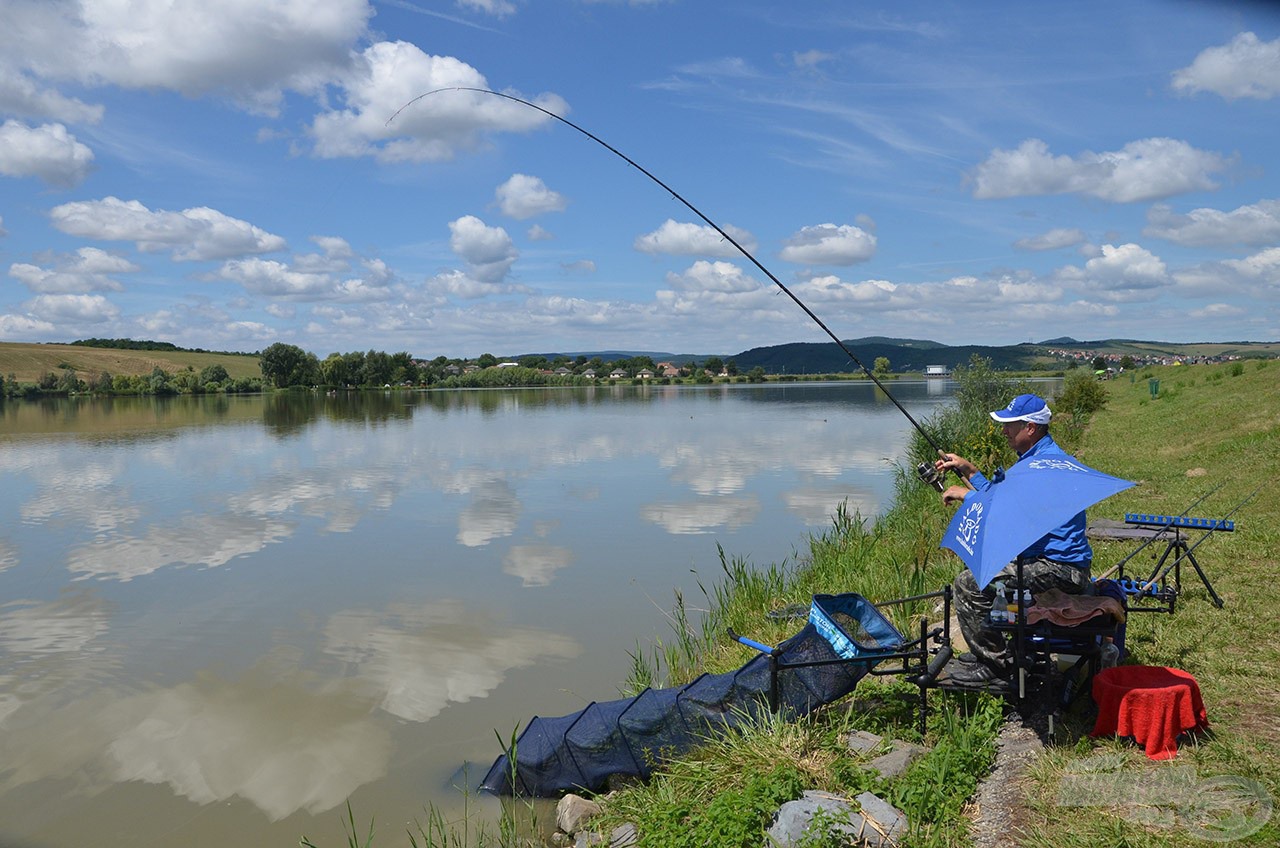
[(587, 839), (795, 818), (897, 761), (624, 836), (573, 811), (885, 824), (864, 742)]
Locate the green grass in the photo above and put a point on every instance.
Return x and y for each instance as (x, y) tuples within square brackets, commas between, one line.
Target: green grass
[(28, 361), (1213, 426)]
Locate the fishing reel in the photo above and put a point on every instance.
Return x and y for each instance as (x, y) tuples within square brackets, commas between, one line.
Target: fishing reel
[(927, 473)]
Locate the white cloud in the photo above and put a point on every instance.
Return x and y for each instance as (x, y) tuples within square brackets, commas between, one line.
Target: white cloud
[(312, 276), (1149, 169), (1120, 271), (1256, 224), (334, 247), (458, 284), (48, 152), (829, 244), (193, 234), (20, 95), (523, 197), (1246, 67), (386, 77), (537, 233), (1218, 310), (3, 231), (87, 308), (488, 251), (811, 59), (14, 327), (84, 271), (686, 239), (1054, 239), (713, 277), (496, 8), (1262, 266), (247, 50), (831, 289)]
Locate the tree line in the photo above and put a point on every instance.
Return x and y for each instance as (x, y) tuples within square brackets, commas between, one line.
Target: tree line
[(209, 380), (286, 366)]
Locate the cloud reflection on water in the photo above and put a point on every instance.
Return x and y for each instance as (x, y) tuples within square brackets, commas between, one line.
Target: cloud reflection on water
[(208, 540), (282, 736), (702, 516), (416, 660), (536, 565)]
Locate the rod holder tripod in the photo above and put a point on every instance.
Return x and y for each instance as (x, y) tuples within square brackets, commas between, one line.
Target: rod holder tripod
[(1179, 550)]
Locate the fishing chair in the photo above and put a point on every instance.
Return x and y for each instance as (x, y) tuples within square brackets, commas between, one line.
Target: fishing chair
[(1055, 663)]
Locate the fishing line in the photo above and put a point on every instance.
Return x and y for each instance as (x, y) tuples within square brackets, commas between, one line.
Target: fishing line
[(709, 223)]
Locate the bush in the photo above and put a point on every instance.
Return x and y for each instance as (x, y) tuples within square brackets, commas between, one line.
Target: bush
[(1081, 396), (966, 428)]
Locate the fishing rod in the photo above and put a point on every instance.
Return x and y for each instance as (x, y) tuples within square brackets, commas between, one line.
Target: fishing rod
[(933, 444), (1159, 533), (1146, 587)]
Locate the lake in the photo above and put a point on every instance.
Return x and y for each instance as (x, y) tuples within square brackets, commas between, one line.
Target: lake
[(223, 617)]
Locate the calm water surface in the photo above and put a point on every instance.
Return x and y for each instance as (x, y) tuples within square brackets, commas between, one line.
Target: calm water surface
[(221, 618)]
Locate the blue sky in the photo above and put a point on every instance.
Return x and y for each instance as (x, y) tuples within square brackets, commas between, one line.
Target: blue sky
[(226, 175)]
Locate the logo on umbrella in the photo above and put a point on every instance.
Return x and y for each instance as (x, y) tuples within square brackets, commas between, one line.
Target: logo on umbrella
[(1056, 464), (968, 526)]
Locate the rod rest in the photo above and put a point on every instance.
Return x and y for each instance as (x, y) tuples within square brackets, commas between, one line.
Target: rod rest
[(1146, 520)]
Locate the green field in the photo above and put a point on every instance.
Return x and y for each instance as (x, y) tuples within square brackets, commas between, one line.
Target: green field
[(27, 362)]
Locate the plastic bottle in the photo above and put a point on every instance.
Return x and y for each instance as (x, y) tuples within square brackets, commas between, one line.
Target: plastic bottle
[(1110, 654), (1000, 607)]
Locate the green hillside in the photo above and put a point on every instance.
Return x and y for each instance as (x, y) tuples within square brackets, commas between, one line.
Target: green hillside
[(27, 362)]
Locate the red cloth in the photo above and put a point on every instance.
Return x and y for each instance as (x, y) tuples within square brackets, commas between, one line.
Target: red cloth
[(1152, 704)]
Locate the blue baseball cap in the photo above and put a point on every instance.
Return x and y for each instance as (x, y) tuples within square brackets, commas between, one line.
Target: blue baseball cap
[(1025, 408)]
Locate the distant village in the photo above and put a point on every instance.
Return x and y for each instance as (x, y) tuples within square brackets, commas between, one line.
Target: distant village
[(660, 370), (1122, 361)]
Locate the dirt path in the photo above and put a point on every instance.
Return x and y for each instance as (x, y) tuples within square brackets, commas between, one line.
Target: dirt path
[(998, 811)]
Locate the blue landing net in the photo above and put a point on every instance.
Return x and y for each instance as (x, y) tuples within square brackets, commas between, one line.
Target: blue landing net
[(632, 736)]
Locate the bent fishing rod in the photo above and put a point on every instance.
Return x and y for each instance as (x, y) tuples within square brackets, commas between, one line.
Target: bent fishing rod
[(807, 311)]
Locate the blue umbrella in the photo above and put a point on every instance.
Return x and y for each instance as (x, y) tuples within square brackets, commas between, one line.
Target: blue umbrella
[(1033, 497)]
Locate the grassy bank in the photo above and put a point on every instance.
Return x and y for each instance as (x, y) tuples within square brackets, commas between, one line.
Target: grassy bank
[(1209, 428)]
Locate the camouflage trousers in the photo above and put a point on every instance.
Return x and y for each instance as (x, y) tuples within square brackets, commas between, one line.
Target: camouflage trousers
[(973, 605)]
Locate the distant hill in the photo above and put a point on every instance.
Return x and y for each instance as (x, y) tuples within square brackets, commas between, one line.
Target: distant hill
[(917, 354), (903, 355), (27, 362)]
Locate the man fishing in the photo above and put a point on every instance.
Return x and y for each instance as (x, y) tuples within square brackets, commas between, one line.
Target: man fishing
[(1060, 559)]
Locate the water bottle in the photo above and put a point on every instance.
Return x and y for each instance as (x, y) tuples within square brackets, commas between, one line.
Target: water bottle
[(1110, 654), (1000, 606)]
